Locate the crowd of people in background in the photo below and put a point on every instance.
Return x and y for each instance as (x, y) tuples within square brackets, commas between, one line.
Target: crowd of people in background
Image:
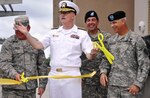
[(74, 53)]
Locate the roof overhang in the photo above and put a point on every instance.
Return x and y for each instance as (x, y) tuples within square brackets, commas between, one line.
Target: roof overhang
[(11, 12)]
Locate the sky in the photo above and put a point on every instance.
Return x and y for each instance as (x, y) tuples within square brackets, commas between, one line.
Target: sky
[(40, 13)]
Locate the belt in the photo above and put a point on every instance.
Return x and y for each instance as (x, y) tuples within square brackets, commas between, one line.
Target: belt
[(63, 69)]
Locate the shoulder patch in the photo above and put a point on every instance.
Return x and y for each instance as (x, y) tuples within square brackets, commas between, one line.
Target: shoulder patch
[(82, 28)]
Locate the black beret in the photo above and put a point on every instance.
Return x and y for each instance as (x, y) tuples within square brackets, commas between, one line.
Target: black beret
[(117, 15), (90, 14)]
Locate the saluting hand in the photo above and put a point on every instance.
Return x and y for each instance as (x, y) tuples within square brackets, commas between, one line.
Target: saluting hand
[(23, 29)]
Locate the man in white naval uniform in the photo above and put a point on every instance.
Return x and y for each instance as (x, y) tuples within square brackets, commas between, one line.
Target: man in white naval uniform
[(66, 46)]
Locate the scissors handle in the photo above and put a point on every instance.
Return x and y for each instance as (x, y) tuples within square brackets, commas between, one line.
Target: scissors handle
[(101, 46), (100, 37)]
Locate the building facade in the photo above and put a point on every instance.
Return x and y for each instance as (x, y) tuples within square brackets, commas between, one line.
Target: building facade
[(136, 10), (9, 11)]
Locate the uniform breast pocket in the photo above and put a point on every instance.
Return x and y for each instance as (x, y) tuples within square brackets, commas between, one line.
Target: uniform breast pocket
[(33, 54), (33, 51), (127, 50), (55, 39), (124, 47), (73, 41), (17, 53), (18, 50), (112, 48), (56, 42), (130, 50), (73, 44)]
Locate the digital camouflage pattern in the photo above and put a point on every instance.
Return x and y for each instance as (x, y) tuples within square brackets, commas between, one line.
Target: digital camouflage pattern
[(93, 91), (115, 91), (18, 93), (131, 64), (19, 56), (91, 87)]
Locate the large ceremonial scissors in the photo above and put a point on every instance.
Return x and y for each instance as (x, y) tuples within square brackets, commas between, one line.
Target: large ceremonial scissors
[(101, 46)]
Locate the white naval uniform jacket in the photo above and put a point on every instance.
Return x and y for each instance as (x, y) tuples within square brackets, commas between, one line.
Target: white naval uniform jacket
[(66, 47)]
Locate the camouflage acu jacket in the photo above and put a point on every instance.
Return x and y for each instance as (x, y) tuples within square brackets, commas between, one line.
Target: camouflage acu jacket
[(93, 65), (18, 56), (131, 64)]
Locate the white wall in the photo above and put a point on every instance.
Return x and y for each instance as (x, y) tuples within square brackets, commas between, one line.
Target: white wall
[(141, 14)]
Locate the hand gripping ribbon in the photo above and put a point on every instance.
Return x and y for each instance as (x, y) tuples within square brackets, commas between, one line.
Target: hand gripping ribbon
[(26, 79)]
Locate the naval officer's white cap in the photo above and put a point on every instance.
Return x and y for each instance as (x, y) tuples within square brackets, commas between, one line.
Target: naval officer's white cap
[(68, 6)]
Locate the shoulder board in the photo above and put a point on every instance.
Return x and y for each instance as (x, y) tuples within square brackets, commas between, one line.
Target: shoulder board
[(82, 28), (54, 28)]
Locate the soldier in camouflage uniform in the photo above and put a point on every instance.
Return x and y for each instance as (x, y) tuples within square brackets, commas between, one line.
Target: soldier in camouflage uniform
[(130, 68), (18, 56), (91, 87), (146, 88)]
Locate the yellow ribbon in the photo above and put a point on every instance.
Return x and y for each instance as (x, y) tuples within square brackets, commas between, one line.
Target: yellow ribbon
[(9, 82), (24, 80), (108, 55)]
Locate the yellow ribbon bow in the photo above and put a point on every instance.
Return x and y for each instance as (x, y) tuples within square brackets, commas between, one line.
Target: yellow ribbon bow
[(108, 55), (24, 80)]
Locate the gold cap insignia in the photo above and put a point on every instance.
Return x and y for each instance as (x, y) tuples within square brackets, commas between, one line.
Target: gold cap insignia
[(63, 5)]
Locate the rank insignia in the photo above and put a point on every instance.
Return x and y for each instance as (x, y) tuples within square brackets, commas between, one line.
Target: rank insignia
[(74, 36)]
